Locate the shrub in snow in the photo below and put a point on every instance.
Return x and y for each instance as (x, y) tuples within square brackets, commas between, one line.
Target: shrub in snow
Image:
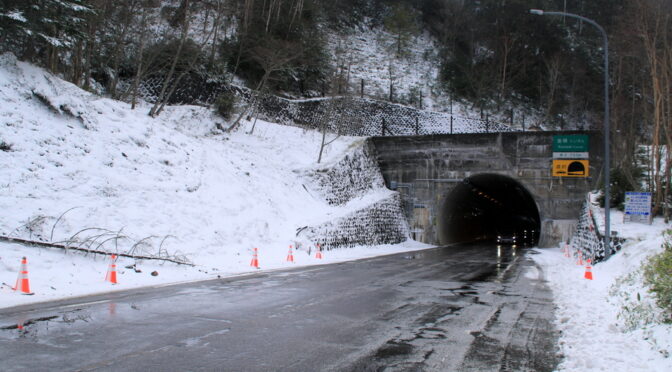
[(637, 309), (4, 146), (225, 103), (658, 275)]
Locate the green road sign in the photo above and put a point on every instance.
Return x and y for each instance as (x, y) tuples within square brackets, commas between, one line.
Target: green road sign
[(570, 143)]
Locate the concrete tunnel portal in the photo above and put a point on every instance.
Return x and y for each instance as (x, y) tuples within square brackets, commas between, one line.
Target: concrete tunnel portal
[(512, 168), (490, 208)]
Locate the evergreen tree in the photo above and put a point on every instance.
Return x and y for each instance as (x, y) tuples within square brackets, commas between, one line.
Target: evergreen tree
[(38, 30)]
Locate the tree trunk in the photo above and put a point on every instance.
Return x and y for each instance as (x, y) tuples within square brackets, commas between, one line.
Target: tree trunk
[(166, 82), (141, 50)]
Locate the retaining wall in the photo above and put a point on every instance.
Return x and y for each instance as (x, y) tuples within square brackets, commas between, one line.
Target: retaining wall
[(357, 176), (379, 223)]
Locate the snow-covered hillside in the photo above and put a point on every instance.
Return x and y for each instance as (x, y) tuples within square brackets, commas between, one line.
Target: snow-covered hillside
[(370, 55), (88, 171)]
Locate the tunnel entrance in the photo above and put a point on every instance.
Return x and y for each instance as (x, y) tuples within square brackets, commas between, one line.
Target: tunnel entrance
[(489, 207)]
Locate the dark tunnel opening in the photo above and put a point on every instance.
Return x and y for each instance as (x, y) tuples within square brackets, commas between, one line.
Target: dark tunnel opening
[(492, 208)]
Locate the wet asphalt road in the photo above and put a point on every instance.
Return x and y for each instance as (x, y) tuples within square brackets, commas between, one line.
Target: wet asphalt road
[(460, 308)]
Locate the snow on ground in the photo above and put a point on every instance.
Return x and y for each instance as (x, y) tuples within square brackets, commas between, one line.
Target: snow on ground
[(371, 55), (94, 171), (175, 186), (597, 334)]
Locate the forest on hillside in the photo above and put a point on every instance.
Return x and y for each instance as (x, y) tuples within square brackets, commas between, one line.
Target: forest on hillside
[(492, 53)]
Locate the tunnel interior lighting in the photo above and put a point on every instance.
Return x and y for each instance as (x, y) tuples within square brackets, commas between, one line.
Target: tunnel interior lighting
[(489, 207)]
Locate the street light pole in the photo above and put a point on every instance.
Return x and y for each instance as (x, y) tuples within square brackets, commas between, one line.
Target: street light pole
[(607, 163)]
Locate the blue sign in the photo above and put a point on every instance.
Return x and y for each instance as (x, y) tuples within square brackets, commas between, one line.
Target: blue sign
[(637, 207)]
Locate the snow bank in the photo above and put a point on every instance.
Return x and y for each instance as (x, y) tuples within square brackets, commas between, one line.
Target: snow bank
[(598, 333)]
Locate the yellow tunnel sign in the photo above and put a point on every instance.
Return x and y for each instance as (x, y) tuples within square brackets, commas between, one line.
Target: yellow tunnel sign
[(570, 168)]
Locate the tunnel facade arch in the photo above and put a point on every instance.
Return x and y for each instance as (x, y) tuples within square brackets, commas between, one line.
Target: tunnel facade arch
[(489, 207), (425, 169)]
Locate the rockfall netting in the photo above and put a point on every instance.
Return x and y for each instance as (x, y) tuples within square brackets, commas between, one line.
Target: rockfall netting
[(357, 176), (380, 223), (344, 115), (588, 239), (353, 176)]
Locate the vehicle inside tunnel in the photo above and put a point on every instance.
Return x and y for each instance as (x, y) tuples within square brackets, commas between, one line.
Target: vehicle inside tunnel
[(489, 207)]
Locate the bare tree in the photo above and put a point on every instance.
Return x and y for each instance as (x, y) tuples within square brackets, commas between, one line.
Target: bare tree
[(553, 68), (273, 56), (655, 28), (401, 23), (184, 33), (128, 9), (507, 44), (139, 68)]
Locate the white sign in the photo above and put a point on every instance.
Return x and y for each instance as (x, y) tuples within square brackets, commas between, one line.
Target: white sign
[(637, 207), (570, 155)]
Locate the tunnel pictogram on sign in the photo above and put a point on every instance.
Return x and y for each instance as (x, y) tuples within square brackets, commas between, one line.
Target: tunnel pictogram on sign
[(570, 168)]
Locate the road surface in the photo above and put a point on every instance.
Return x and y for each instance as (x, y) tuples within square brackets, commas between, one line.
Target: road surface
[(458, 308)]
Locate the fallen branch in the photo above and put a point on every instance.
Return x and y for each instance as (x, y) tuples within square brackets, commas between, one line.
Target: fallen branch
[(51, 237), (65, 247)]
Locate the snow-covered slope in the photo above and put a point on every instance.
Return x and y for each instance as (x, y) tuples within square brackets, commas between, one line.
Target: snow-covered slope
[(371, 55), (88, 171)]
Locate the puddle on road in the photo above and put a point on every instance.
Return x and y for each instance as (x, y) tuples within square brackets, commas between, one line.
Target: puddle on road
[(394, 348), (465, 291), (431, 333), (22, 325), (33, 326)]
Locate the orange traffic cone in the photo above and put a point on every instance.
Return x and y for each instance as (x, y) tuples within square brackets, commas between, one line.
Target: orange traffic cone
[(579, 256), (318, 255), (290, 255), (255, 259), (22, 283), (589, 270), (567, 250), (112, 270)]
